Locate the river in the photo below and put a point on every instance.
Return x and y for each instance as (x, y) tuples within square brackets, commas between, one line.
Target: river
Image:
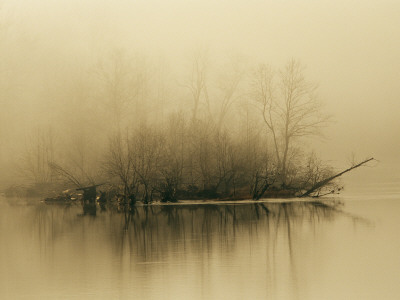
[(266, 250)]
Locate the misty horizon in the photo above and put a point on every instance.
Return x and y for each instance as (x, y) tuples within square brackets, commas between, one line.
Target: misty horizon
[(349, 49)]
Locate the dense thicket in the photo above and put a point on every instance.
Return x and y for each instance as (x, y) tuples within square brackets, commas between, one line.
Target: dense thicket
[(149, 132)]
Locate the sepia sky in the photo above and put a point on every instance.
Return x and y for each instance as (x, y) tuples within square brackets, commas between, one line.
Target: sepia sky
[(351, 49)]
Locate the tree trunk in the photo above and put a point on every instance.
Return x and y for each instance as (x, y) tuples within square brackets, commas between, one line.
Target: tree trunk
[(324, 182)]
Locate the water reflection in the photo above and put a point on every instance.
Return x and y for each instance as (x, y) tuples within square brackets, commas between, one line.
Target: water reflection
[(196, 245), (152, 232)]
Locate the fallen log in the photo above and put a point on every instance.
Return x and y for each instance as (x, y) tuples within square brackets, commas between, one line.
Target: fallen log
[(324, 182)]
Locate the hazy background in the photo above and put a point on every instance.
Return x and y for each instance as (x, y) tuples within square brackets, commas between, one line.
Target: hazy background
[(351, 48)]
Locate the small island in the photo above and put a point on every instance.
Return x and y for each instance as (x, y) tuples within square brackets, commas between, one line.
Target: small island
[(243, 136)]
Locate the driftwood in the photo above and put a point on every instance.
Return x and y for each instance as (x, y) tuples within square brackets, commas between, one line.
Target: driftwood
[(324, 182)]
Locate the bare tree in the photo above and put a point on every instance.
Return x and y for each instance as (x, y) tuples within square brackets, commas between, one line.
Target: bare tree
[(37, 157), (119, 163), (228, 86), (148, 145), (201, 138), (118, 85), (197, 80), (289, 108), (173, 158)]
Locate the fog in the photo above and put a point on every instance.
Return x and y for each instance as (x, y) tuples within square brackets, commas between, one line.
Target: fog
[(56, 54)]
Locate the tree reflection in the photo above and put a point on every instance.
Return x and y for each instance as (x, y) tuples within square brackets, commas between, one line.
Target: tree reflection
[(161, 233), (191, 221), (160, 225)]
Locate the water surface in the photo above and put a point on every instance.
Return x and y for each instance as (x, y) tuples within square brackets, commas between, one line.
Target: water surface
[(294, 250)]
